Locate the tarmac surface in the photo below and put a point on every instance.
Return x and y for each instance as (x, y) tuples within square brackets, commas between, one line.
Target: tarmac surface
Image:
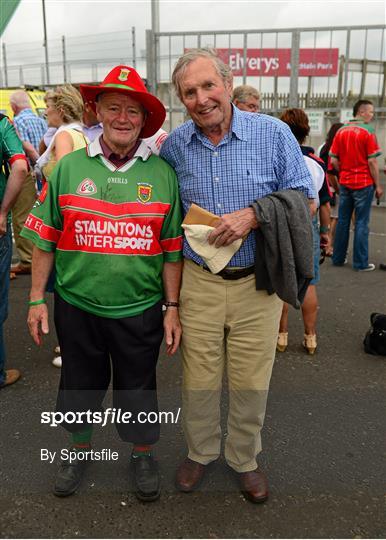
[(324, 438)]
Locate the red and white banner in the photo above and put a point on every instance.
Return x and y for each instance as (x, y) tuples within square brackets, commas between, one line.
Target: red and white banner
[(277, 62)]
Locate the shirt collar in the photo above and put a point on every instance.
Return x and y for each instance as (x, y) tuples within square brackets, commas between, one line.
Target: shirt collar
[(94, 149), (25, 112), (238, 127), (94, 126), (238, 124)]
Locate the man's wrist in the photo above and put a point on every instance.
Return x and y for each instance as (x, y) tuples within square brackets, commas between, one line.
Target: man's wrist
[(36, 295), (171, 304), (37, 302), (254, 223)]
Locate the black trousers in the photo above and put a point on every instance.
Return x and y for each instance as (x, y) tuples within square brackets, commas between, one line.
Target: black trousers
[(93, 348)]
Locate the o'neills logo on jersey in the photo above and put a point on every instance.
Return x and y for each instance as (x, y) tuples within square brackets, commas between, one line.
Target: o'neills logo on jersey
[(86, 187), (144, 192)]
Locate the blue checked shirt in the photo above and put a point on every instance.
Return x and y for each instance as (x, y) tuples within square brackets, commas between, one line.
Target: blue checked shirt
[(30, 127), (259, 155)]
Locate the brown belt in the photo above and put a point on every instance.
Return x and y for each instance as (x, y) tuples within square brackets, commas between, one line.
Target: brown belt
[(227, 273)]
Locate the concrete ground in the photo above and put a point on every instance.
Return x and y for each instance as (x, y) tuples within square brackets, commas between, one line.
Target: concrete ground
[(323, 440)]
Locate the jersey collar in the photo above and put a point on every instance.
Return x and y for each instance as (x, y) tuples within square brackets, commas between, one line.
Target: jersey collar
[(94, 149)]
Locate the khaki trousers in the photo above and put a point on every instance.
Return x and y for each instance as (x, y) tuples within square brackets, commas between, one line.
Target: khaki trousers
[(226, 324), (20, 211)]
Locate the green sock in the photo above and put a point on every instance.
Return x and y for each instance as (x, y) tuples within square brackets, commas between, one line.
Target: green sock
[(82, 439)]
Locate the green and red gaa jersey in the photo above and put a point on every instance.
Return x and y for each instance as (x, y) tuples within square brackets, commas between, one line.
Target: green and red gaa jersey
[(111, 229), (353, 145)]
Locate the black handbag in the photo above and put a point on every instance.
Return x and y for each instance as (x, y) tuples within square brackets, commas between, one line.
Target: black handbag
[(375, 338)]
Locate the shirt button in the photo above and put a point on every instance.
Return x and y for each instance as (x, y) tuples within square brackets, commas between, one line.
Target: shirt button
[(215, 154), (218, 205), (216, 179)]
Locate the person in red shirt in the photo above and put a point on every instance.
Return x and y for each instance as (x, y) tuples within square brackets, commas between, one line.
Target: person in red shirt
[(354, 154)]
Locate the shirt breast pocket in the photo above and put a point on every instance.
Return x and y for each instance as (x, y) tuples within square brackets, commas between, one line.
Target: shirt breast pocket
[(259, 177)]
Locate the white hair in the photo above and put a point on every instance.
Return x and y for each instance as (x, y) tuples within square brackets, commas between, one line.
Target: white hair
[(223, 70), (20, 98)]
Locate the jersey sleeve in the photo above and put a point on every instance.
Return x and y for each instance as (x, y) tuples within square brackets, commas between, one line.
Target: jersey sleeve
[(12, 145), (373, 149), (171, 233), (155, 141), (44, 224)]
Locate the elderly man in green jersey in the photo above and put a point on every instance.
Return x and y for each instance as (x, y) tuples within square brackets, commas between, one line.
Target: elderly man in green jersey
[(109, 218)]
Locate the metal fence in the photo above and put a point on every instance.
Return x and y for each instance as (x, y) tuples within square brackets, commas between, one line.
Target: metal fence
[(356, 56), (71, 59)]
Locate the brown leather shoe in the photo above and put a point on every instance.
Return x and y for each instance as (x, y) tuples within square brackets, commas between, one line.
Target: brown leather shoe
[(254, 486), (11, 376), (189, 475), (21, 269)]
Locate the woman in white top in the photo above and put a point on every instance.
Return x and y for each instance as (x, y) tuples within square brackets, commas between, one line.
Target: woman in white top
[(64, 112)]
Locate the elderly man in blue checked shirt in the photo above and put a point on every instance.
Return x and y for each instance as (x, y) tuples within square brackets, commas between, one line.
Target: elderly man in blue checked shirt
[(225, 159)]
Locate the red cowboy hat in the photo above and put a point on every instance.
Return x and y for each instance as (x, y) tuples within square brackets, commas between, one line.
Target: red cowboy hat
[(125, 80)]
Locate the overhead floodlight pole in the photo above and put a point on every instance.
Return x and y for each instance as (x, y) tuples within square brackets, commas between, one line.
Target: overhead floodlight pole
[(155, 26), (45, 44), (155, 15)]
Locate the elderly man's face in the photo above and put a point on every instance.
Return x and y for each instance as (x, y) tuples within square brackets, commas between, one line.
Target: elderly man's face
[(251, 104), (123, 119), (206, 96)]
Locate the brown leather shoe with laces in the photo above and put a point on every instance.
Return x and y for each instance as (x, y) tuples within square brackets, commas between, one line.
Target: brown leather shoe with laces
[(189, 475), (254, 486)]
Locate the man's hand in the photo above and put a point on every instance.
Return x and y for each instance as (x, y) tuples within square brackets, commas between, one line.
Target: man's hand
[(3, 224), (38, 322), (173, 331), (378, 192), (233, 226)]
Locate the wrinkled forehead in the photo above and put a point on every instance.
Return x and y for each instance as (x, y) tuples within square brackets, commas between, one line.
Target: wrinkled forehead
[(116, 98), (199, 71)]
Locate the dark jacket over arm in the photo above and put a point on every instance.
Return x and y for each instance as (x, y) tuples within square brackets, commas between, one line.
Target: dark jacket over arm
[(284, 245)]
